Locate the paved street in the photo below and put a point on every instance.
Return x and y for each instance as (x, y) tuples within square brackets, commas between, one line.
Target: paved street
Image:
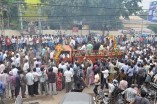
[(55, 99)]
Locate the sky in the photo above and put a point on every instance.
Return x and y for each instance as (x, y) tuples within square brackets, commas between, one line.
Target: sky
[(145, 3)]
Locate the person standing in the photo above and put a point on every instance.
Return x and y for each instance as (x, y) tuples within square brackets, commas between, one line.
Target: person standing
[(52, 81), (42, 79), (2, 90), (17, 61), (4, 77), (24, 42), (59, 80), (2, 66), (130, 94), (89, 74), (31, 55), (105, 76), (30, 82), (8, 42), (3, 42), (25, 66), (68, 79), (141, 99), (36, 81), (23, 83), (89, 48), (141, 75), (18, 84), (30, 41), (12, 83), (130, 75), (97, 82), (14, 70), (13, 41)]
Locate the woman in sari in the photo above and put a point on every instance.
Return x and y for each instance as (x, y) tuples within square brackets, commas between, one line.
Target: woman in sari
[(59, 80)]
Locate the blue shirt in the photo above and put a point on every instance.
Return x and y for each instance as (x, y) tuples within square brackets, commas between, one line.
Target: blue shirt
[(130, 72), (125, 68), (1, 87), (43, 51), (1, 57)]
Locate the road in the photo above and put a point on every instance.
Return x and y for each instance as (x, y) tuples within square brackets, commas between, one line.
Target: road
[(55, 99)]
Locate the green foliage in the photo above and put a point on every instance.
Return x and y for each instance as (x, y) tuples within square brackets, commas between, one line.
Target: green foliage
[(153, 27), (98, 14), (143, 14), (95, 13)]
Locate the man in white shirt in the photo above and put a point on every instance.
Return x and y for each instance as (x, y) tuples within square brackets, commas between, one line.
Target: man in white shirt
[(13, 41), (26, 66), (105, 74), (4, 55), (83, 47), (36, 81), (63, 66), (5, 79), (14, 70), (72, 42), (21, 42), (2, 67), (125, 67), (17, 61), (30, 82), (55, 69), (38, 69), (68, 78), (27, 42), (24, 42), (30, 41)]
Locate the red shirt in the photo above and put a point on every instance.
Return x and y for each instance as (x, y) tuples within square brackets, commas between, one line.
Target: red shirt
[(8, 41)]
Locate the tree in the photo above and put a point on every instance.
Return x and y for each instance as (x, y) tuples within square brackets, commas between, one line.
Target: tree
[(153, 27), (31, 10), (143, 14), (95, 13), (9, 11)]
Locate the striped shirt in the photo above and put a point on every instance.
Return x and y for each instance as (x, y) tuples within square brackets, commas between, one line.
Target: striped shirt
[(3, 41)]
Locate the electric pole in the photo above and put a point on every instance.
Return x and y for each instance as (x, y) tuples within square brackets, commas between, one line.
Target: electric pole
[(39, 21), (1, 19), (20, 15)]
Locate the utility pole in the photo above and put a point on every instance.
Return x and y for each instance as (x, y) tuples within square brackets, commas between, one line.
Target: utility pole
[(142, 27), (20, 15), (1, 19), (39, 21)]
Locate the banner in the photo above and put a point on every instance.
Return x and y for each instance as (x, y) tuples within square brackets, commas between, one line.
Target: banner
[(152, 14)]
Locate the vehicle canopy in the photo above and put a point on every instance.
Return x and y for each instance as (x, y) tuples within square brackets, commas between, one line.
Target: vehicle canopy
[(77, 98), (63, 49)]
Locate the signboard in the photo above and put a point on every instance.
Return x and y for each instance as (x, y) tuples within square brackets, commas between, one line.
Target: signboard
[(75, 29), (152, 14)]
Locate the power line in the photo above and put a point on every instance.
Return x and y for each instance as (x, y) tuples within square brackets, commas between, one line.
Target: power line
[(101, 22), (80, 16), (77, 6)]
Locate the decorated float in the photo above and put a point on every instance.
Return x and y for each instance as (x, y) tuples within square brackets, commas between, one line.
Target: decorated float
[(67, 53)]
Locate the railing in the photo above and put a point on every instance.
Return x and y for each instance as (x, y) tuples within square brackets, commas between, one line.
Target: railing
[(97, 53)]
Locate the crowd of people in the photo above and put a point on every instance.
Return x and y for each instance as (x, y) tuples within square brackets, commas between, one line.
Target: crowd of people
[(48, 40), (131, 75), (31, 64)]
